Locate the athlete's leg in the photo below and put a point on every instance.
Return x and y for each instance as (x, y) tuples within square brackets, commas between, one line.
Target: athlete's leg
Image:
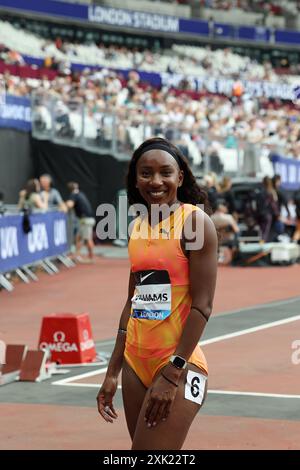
[(78, 244), (169, 434), (133, 392), (296, 236), (90, 248)]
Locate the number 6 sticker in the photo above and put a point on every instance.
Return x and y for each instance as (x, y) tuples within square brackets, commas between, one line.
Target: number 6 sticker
[(195, 387)]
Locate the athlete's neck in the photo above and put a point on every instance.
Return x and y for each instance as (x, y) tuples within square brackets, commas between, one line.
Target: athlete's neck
[(160, 211)]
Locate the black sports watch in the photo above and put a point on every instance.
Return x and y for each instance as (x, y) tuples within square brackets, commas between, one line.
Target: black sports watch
[(178, 362)]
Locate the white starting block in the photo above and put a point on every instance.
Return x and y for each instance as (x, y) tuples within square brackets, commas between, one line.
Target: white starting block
[(278, 252), (2, 353), (34, 368), (14, 356), (285, 252)]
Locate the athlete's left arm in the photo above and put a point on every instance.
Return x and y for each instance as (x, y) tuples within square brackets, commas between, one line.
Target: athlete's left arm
[(202, 253)]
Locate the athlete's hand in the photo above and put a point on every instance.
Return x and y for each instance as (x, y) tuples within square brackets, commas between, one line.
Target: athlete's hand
[(162, 395), (105, 399)]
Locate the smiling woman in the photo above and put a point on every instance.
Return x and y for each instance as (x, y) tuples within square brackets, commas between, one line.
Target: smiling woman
[(170, 296)]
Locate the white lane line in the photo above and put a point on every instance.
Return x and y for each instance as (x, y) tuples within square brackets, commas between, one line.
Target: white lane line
[(80, 376), (252, 394), (82, 385), (249, 330), (213, 392), (83, 364), (276, 303), (202, 343), (105, 343)]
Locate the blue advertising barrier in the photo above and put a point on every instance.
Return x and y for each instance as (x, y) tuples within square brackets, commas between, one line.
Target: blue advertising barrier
[(48, 7), (288, 37), (120, 17), (193, 27), (48, 237), (250, 33), (222, 30), (289, 170), (15, 112)]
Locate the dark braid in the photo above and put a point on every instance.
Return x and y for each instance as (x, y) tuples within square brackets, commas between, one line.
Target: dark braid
[(190, 192)]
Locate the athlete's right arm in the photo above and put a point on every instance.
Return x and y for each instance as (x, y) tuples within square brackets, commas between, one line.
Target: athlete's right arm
[(110, 384)]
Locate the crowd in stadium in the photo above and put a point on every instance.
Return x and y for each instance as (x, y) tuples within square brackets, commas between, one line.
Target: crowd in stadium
[(274, 7), (62, 95), (190, 60), (237, 116), (226, 118)]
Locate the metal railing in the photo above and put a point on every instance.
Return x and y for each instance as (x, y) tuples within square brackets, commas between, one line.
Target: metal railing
[(70, 122)]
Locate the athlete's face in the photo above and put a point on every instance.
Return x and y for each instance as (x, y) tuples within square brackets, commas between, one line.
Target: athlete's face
[(158, 177)]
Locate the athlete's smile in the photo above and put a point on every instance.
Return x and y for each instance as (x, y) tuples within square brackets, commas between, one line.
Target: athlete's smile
[(157, 194)]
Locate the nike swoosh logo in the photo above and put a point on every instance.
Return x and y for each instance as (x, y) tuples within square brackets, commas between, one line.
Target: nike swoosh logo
[(147, 275)]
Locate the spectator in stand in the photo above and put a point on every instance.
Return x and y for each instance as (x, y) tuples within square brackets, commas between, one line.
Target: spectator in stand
[(84, 212), (30, 197), (14, 58), (53, 195)]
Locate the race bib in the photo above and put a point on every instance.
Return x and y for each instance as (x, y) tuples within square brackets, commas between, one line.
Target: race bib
[(152, 295), (195, 387)]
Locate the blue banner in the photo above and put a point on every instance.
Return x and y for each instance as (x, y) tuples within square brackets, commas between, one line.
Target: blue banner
[(133, 19), (251, 33), (15, 112), (119, 17), (48, 237), (98, 14), (288, 37), (48, 7), (224, 30), (289, 170), (225, 86), (193, 27)]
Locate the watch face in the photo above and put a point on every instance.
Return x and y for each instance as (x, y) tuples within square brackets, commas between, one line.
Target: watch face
[(178, 362)]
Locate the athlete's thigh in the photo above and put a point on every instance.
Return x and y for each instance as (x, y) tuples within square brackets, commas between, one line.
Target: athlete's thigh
[(169, 434), (133, 392)]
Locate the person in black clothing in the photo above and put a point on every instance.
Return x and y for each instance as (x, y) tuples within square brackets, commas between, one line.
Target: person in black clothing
[(212, 192), (2, 205), (227, 195), (268, 213), (296, 236), (282, 199), (84, 212)]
